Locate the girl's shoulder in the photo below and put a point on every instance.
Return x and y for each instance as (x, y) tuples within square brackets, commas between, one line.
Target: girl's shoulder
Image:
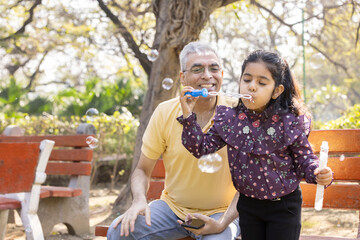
[(225, 113), (292, 122)]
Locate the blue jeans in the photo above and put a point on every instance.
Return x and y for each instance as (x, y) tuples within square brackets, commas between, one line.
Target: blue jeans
[(164, 226)]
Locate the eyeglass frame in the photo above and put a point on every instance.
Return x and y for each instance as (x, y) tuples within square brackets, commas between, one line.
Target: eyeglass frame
[(203, 69)]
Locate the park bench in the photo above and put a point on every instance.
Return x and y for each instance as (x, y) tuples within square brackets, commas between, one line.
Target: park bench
[(22, 171), (71, 158), (344, 193)]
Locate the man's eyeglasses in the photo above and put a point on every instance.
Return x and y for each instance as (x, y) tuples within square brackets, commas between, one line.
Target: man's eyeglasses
[(201, 69)]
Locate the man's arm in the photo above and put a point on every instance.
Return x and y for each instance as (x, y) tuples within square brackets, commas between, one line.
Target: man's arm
[(231, 213), (211, 225), (139, 186)]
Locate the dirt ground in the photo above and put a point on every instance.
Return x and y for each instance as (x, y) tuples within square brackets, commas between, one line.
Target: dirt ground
[(327, 222)]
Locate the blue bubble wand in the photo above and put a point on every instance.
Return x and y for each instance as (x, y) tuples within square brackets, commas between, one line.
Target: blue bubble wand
[(204, 93)]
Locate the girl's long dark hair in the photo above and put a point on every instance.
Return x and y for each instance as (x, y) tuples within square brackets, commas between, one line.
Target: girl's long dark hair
[(290, 100)]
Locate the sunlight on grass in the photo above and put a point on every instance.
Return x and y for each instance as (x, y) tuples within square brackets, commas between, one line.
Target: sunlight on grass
[(308, 224)]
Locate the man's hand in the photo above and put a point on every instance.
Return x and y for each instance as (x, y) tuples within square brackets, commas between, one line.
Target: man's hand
[(127, 219), (187, 101), (211, 225)]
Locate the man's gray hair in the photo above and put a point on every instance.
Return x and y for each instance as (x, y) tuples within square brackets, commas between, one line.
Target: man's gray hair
[(195, 47)]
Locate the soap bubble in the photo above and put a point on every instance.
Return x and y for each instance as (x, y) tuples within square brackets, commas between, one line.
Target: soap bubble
[(317, 60), (210, 163), (342, 157), (92, 142), (91, 113), (28, 228), (153, 55), (167, 83)]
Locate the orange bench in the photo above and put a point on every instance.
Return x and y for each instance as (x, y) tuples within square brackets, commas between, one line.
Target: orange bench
[(22, 167), (67, 204), (342, 194)]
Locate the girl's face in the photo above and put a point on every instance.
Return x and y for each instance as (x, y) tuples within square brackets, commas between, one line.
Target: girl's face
[(258, 82)]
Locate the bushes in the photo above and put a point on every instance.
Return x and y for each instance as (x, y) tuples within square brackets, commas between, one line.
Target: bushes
[(351, 119)]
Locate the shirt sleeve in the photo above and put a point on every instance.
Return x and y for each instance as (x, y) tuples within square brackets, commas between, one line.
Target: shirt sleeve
[(153, 139), (305, 161), (197, 142)]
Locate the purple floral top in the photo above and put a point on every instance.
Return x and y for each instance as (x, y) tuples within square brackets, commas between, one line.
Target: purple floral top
[(268, 152)]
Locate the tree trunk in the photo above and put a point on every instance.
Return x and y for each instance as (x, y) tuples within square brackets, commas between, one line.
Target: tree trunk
[(178, 22)]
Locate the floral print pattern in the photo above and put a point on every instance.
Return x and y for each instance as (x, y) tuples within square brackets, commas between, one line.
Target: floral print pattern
[(268, 152)]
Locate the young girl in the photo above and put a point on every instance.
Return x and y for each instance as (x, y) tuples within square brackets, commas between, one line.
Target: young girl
[(268, 149)]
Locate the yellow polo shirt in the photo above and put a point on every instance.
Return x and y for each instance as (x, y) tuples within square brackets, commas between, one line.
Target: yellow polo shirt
[(187, 189)]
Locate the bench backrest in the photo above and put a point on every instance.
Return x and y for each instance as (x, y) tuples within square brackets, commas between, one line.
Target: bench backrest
[(18, 162), (344, 160), (70, 155), (344, 193)]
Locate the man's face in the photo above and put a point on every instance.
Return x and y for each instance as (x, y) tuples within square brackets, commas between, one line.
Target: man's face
[(202, 71)]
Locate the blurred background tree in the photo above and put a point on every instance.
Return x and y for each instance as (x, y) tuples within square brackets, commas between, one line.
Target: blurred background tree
[(63, 57)]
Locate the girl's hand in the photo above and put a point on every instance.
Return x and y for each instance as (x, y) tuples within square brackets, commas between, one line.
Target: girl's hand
[(323, 177), (187, 101)]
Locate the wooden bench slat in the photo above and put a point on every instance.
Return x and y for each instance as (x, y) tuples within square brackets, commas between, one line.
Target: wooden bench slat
[(101, 230), (324, 238), (337, 196), (44, 193), (8, 203), (22, 157), (155, 190), (71, 155), (61, 191), (348, 169), (159, 169), (68, 168), (340, 140), (76, 140)]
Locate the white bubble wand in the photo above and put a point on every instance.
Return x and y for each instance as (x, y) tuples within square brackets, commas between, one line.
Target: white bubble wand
[(319, 197)]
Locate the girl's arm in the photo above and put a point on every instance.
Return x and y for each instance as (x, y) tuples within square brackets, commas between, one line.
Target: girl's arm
[(194, 140), (306, 163)]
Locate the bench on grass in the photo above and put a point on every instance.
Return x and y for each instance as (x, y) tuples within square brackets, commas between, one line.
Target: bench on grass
[(22, 171), (344, 193), (67, 204)]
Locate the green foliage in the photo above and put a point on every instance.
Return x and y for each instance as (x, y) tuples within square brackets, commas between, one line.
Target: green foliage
[(10, 97), (37, 106), (350, 120), (105, 97), (328, 101)]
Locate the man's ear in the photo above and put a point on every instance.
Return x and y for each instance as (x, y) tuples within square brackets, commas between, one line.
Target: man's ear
[(182, 78), (278, 91)]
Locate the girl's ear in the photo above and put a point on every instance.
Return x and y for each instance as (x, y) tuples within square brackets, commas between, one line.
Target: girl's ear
[(278, 91)]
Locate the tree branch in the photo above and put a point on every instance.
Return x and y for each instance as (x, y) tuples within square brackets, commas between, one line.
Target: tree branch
[(32, 77), (145, 63), (254, 2), (28, 21), (337, 64), (226, 2), (13, 68), (330, 60)]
